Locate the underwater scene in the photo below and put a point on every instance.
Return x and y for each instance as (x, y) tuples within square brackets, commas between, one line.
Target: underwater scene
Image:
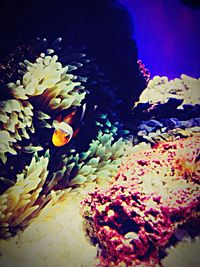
[(99, 160)]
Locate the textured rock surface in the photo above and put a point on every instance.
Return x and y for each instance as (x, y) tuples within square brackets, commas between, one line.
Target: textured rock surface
[(154, 191), (130, 226)]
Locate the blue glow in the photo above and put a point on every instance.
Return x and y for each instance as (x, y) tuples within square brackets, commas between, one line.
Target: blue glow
[(167, 35)]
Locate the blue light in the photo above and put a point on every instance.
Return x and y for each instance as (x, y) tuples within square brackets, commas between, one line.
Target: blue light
[(167, 35)]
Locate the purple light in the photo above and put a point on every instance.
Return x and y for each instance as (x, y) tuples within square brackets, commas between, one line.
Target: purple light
[(167, 36)]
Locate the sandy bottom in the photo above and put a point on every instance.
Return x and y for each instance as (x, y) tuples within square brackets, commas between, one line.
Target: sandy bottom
[(185, 254), (54, 239)]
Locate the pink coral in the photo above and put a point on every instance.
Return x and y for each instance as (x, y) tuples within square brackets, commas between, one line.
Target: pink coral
[(154, 190), (129, 225), (171, 157), (144, 71), (170, 169)]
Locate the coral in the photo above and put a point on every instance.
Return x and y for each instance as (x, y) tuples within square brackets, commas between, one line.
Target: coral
[(160, 90), (153, 135), (166, 108), (144, 71), (129, 225), (163, 179), (170, 169)]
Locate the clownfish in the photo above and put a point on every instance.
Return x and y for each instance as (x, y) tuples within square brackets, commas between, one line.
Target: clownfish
[(67, 127)]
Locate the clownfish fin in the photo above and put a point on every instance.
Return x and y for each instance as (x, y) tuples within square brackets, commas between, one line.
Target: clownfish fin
[(69, 118), (76, 132)]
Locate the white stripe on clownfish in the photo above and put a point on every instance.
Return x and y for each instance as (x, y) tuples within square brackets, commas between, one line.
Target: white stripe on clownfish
[(63, 130)]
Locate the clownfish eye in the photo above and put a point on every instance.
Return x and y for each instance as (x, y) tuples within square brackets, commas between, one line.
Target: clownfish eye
[(67, 136)]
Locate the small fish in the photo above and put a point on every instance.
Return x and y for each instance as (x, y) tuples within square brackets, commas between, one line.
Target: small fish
[(67, 127)]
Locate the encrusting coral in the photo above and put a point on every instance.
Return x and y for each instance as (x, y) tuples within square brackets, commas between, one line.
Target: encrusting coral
[(167, 108), (175, 162), (153, 193), (129, 226), (160, 90)]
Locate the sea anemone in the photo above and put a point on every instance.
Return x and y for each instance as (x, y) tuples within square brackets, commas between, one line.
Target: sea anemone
[(22, 118), (16, 124), (47, 77), (23, 201), (44, 86), (97, 165), (19, 201), (100, 163), (39, 183)]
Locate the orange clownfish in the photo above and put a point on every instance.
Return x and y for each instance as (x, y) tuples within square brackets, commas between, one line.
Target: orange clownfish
[(67, 127)]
